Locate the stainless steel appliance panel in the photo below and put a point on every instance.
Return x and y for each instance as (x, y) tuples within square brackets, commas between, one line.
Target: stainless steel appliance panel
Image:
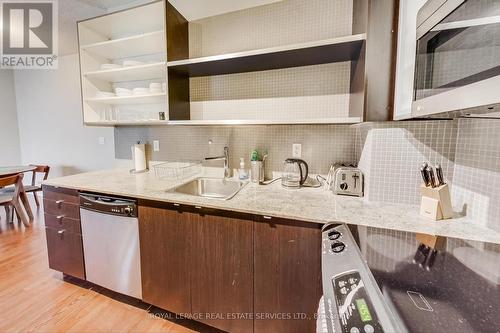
[(110, 231)]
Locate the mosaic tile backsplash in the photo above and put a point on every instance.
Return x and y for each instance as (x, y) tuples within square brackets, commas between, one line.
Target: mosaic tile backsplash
[(389, 154)]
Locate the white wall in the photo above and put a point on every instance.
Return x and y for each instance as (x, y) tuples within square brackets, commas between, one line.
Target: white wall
[(50, 122), (9, 133)]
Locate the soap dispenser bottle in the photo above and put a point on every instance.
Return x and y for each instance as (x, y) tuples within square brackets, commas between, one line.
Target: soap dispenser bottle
[(242, 172)]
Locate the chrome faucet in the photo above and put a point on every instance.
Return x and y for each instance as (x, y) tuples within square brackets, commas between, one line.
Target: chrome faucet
[(227, 170)]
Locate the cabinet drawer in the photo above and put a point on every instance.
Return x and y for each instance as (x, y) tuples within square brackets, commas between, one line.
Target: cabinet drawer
[(61, 207), (68, 196), (63, 222), (65, 251)]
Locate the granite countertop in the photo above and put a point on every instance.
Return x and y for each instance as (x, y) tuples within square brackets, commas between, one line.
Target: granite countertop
[(307, 204)]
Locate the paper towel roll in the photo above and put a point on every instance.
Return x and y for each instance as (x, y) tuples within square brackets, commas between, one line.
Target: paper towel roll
[(139, 156)]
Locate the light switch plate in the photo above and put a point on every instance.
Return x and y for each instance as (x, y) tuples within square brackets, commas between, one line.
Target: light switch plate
[(102, 140), (297, 150), (156, 145)]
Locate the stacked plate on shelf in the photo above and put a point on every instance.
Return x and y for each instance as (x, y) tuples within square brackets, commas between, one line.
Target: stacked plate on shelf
[(123, 92), (104, 94), (140, 91)]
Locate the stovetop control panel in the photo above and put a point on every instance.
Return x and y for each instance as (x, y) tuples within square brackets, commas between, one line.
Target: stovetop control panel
[(355, 309), (353, 301)]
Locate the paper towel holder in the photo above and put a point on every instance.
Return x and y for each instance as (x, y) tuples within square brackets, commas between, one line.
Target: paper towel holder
[(136, 149)]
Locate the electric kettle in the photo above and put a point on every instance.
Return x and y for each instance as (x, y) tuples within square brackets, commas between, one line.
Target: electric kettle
[(295, 173)]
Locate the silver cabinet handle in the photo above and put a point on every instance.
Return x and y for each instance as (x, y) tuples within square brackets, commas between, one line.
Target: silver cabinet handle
[(59, 202), (61, 232), (60, 218), (176, 205), (267, 217), (197, 207)]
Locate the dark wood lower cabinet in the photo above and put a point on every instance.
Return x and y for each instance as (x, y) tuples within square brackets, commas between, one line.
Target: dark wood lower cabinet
[(63, 231), (65, 251), (237, 273), (166, 261), (287, 276), (222, 276)]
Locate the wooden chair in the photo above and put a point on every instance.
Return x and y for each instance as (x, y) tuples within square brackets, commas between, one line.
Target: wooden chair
[(33, 188), (14, 198)]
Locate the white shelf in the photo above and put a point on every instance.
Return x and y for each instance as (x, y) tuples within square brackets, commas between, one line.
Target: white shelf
[(126, 123), (135, 73), (128, 47), (131, 100), (347, 120), (343, 120)]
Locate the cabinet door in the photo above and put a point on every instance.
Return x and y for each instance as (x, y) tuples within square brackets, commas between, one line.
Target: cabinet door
[(222, 277), (65, 251), (287, 263), (166, 264)]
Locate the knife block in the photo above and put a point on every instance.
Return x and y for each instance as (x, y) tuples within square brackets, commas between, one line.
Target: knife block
[(434, 242), (436, 202)]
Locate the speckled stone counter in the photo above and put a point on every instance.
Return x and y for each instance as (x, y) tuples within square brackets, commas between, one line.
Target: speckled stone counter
[(306, 204)]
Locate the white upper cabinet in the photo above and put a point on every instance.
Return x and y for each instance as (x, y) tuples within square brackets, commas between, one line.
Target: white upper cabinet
[(405, 63), (123, 66)]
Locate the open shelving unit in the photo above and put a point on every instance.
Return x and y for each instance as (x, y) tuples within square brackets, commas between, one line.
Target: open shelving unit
[(210, 72), (113, 39), (202, 86)]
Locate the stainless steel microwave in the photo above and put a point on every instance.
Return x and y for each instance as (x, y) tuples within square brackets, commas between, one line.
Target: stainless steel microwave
[(457, 64)]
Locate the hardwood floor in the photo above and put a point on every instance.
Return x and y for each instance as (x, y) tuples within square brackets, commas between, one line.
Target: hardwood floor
[(34, 298)]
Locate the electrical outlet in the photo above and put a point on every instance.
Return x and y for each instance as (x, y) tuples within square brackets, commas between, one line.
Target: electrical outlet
[(156, 145), (297, 150), (102, 140)]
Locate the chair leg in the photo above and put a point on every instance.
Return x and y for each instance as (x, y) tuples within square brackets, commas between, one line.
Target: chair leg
[(20, 213), (36, 199), (9, 214)]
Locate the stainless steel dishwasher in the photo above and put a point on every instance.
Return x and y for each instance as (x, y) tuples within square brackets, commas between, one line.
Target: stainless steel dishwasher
[(110, 230)]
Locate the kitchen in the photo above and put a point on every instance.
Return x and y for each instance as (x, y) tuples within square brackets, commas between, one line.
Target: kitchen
[(334, 170)]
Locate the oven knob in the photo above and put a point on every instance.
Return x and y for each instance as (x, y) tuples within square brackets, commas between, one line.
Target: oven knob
[(127, 210), (334, 234), (338, 247)]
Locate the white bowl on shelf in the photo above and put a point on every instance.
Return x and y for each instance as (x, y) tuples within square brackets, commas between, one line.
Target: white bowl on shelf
[(104, 94), (155, 86), (141, 91)]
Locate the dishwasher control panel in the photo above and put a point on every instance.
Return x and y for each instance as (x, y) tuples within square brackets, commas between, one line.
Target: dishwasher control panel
[(108, 205)]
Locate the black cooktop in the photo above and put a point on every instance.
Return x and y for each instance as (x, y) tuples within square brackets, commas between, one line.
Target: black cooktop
[(450, 297)]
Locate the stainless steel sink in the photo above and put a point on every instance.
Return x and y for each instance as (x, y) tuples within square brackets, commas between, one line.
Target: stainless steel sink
[(215, 188)]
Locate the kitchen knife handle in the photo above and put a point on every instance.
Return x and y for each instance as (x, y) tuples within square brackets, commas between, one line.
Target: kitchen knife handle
[(439, 175), (430, 174), (424, 176)]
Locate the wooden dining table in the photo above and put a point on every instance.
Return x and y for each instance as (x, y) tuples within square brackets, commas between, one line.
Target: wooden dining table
[(14, 170)]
